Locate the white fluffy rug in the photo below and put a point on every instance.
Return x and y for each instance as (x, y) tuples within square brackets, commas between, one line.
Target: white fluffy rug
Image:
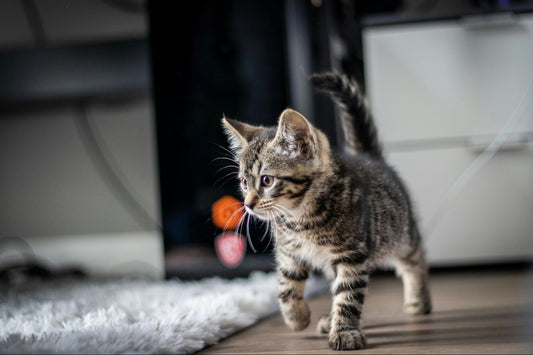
[(133, 316)]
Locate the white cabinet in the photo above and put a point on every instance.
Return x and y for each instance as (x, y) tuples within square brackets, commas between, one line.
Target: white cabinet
[(440, 92)]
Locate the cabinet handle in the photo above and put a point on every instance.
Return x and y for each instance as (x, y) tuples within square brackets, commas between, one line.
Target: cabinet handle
[(513, 143)]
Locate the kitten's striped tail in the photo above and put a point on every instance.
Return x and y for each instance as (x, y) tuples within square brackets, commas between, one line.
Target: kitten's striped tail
[(357, 123)]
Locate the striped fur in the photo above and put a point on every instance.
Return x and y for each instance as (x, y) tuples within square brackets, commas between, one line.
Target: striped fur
[(338, 214), (360, 133)]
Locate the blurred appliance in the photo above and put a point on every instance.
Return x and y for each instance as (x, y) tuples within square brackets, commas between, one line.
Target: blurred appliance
[(445, 93)]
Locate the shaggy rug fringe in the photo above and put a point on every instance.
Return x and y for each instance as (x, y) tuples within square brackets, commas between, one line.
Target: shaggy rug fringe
[(133, 316)]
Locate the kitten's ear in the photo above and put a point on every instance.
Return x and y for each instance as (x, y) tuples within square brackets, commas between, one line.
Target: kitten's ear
[(239, 133), (295, 134)]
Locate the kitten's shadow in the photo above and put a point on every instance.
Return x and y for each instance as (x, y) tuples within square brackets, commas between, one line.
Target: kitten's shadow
[(461, 326), (456, 316), (315, 336)]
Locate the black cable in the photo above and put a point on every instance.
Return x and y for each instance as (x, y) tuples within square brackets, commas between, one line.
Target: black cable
[(131, 6), (20, 243), (36, 22), (16, 272), (110, 174)]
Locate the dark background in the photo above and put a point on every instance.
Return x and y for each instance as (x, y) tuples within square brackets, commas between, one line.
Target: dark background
[(216, 58), (192, 63)]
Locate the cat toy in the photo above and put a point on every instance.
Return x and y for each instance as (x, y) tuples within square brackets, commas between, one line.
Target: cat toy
[(230, 246)]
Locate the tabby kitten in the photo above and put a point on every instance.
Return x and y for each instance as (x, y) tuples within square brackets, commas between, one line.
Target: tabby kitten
[(338, 213)]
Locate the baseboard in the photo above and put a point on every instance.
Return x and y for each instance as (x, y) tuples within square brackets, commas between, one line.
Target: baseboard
[(113, 254)]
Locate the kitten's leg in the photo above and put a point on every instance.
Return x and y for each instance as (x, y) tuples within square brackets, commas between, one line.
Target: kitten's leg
[(324, 324), (414, 273), (349, 291), (292, 277)]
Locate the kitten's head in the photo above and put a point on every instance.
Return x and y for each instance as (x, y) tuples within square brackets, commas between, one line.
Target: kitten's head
[(277, 165)]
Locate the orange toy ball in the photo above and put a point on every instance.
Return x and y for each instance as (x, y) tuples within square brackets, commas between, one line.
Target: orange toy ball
[(227, 212)]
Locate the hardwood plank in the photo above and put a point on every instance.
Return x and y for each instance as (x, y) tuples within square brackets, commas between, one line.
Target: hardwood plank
[(474, 312)]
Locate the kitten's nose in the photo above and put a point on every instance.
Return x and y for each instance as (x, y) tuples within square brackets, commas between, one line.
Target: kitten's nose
[(250, 202), (251, 205)]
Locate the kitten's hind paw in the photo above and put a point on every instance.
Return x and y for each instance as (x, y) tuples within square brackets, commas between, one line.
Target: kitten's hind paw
[(347, 340), (417, 308), (296, 315), (324, 324)]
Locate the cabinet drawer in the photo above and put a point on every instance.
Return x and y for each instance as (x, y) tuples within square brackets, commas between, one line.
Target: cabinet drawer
[(489, 219), (445, 79)]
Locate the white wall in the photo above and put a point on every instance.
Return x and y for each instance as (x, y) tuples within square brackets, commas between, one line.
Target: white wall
[(52, 193), (69, 22)]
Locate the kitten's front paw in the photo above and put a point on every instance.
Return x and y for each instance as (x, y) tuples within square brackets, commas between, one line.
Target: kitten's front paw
[(347, 340), (324, 324), (297, 315)]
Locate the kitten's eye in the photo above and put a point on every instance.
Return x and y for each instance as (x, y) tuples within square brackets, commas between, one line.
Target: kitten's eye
[(244, 183), (267, 180)]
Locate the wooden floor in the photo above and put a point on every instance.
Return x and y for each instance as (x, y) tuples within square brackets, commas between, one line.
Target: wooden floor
[(481, 312)]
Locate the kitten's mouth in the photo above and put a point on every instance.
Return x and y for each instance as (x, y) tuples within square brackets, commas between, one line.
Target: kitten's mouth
[(249, 210), (262, 215)]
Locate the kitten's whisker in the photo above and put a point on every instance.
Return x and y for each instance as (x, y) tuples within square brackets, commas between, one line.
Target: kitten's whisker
[(225, 149), (232, 173), (248, 234), (267, 227), (233, 204), (225, 158), (284, 210), (278, 210), (270, 239), (240, 225), (231, 217), (227, 176), (227, 167), (267, 230)]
